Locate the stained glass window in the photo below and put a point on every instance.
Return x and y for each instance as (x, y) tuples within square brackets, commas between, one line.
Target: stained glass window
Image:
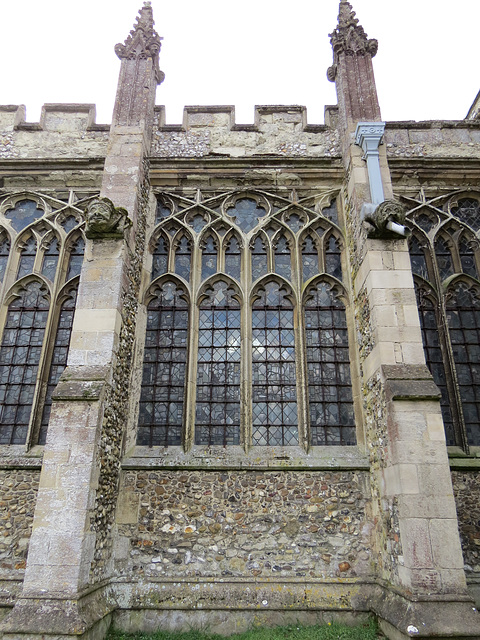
[(75, 259), (27, 258), (259, 259), (19, 361), (164, 368), (417, 258), (444, 258), (34, 352), (246, 213), (467, 258), (333, 262), (233, 258), (218, 371), (283, 261), (245, 339), (450, 316), (209, 258), (332, 419), (309, 259), (50, 260), (274, 392), (160, 258), (183, 259), (468, 211)]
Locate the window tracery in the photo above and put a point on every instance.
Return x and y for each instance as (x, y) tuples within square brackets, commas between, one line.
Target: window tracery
[(244, 378), (41, 248), (444, 250)]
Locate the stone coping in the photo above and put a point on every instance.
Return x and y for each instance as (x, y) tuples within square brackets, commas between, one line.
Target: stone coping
[(258, 458)]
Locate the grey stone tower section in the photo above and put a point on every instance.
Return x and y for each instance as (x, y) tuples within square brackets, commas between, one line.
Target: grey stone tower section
[(64, 592), (420, 564)]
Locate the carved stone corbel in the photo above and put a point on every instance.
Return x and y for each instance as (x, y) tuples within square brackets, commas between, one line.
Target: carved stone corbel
[(105, 220)]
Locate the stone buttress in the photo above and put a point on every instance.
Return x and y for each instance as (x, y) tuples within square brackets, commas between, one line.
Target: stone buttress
[(64, 590), (420, 564)]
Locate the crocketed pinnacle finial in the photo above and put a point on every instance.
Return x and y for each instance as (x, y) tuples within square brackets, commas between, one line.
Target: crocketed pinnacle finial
[(143, 41), (349, 36)]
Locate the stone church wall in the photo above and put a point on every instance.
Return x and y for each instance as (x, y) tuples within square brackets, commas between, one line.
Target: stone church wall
[(244, 524), (18, 494), (467, 497)]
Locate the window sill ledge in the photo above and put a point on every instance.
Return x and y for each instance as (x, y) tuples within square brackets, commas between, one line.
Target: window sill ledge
[(258, 458)]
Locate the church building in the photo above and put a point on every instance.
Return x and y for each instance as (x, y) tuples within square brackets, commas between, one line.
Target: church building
[(239, 364)]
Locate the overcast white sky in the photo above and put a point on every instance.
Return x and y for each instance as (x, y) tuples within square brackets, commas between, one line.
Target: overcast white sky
[(241, 53)]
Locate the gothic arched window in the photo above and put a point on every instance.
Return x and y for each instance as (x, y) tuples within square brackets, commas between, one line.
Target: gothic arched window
[(41, 248), (449, 309), (232, 369)]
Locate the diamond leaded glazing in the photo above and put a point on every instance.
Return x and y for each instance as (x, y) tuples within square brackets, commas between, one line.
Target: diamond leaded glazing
[(246, 367)]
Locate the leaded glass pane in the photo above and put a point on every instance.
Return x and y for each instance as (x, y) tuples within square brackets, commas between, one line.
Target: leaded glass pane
[(259, 259), (27, 258), (283, 261), (59, 358), (309, 259), (164, 369), (331, 212), (209, 258), (24, 213), (233, 259), (183, 259), (69, 223), (246, 213), (162, 211), (217, 416), (274, 402), (467, 258), (434, 358), (463, 316), (75, 260), (444, 259), (417, 258), (468, 211), (19, 361), (4, 252), (160, 258), (333, 262), (50, 260), (332, 420)]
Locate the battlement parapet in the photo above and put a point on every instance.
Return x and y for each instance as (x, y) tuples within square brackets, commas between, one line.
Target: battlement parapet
[(276, 130), (64, 130)]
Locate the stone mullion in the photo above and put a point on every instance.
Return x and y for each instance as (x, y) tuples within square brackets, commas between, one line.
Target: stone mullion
[(300, 352), (191, 386), (246, 347)]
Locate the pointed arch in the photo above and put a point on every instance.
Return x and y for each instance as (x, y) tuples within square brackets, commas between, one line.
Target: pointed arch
[(183, 255), (28, 252), (160, 255), (51, 254), (259, 251), (282, 255)]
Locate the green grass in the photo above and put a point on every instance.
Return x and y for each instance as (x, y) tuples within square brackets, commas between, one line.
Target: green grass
[(333, 631)]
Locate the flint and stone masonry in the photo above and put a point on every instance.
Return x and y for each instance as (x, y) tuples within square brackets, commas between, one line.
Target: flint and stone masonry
[(101, 527)]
